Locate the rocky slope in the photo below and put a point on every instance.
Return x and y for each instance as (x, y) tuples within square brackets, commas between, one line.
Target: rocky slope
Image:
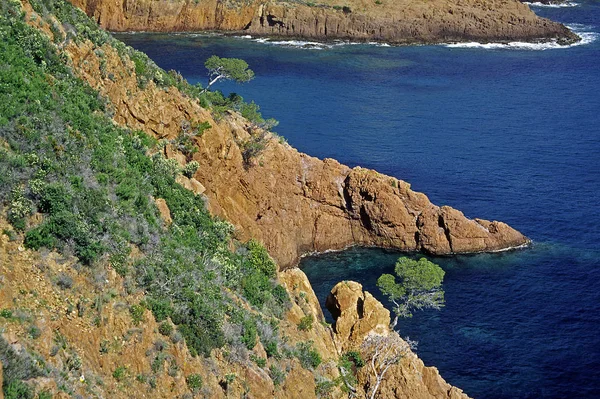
[(294, 203), (390, 21), (81, 349)]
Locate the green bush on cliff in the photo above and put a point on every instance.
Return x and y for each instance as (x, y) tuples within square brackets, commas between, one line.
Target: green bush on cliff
[(309, 358)]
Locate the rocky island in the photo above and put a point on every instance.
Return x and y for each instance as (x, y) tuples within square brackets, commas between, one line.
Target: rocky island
[(389, 21)]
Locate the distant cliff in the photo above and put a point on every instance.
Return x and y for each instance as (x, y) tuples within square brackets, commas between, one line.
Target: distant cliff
[(391, 21)]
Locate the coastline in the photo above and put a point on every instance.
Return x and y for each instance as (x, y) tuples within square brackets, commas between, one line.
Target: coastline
[(398, 23), (316, 44)]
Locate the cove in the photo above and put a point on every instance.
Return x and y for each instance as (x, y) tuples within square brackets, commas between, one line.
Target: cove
[(501, 133)]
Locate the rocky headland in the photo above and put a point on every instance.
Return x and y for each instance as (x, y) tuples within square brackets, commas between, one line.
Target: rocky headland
[(394, 22), (294, 203)]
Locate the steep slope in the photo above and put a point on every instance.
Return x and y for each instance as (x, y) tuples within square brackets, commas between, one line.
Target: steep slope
[(390, 21)]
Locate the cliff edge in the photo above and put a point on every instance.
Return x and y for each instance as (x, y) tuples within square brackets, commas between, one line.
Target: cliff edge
[(397, 22)]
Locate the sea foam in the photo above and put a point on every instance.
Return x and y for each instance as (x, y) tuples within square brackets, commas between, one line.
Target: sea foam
[(560, 5), (583, 31), (310, 45)]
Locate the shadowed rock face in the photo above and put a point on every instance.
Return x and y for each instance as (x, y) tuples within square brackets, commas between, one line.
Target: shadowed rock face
[(294, 203), (397, 21)]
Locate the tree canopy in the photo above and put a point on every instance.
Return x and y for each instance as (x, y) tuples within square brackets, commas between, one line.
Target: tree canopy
[(228, 69), (419, 286)]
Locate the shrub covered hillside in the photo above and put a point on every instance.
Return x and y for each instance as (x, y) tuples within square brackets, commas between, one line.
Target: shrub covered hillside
[(78, 199)]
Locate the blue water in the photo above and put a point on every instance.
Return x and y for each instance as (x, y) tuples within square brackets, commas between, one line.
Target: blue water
[(504, 134)]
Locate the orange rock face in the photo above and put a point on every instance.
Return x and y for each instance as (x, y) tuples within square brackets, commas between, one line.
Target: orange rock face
[(358, 316), (294, 203), (399, 22), (356, 313)]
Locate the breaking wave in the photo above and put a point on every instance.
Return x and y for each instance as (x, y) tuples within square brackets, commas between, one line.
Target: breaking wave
[(309, 45)]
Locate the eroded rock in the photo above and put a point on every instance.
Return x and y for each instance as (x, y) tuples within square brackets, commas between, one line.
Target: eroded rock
[(358, 316)]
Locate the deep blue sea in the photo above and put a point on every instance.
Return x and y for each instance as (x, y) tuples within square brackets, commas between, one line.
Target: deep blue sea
[(506, 133)]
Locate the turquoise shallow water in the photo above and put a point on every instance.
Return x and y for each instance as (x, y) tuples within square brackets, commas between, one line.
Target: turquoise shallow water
[(507, 134)]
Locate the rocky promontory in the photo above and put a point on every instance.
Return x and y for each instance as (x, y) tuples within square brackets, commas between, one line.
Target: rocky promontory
[(294, 203), (396, 22)]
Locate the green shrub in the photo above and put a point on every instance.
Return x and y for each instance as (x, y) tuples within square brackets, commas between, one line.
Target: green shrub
[(120, 373), (165, 328), (34, 332), (137, 313), (19, 208), (259, 259), (271, 349), (308, 356), (39, 237), (44, 395), (202, 127), (324, 387), (17, 390), (354, 357), (55, 198), (251, 148), (194, 382), (277, 375), (190, 169), (256, 287), (281, 296), (249, 333), (306, 323), (158, 363), (260, 361), (161, 308)]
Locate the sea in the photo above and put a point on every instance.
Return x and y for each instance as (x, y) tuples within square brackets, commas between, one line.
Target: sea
[(506, 132)]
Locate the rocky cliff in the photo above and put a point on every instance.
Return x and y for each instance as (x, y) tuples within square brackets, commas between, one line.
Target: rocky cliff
[(294, 203), (358, 318), (397, 22)]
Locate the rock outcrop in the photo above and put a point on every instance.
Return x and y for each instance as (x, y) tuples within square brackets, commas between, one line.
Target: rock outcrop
[(397, 22), (294, 203), (358, 316)]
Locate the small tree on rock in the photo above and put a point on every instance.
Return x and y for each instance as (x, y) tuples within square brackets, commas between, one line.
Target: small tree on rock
[(228, 69), (419, 287)]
